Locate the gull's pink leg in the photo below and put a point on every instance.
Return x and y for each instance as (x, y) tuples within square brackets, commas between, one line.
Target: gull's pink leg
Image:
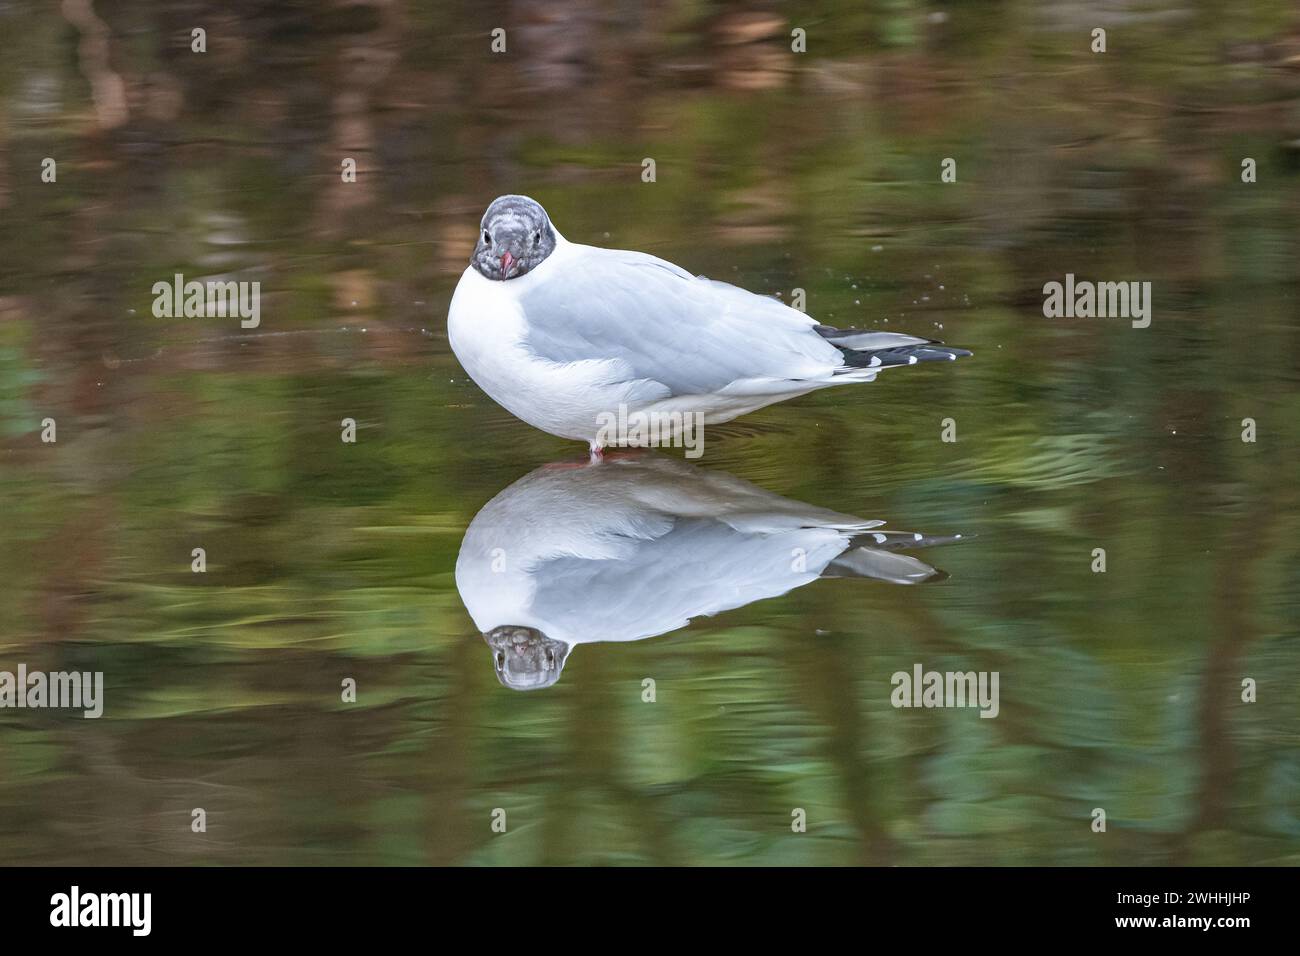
[(595, 457)]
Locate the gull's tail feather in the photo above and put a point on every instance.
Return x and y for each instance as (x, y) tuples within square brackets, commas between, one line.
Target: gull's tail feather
[(873, 555), (872, 350), (882, 566)]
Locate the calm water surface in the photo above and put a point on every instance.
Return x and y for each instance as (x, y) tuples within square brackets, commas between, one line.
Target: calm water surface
[(1120, 690)]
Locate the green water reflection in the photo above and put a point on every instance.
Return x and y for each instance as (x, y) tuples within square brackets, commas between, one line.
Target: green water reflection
[(775, 171)]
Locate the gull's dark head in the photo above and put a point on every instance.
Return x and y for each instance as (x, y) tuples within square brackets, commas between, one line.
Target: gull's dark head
[(524, 658), (514, 238)]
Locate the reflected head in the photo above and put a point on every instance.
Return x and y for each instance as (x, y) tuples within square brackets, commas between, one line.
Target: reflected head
[(524, 658)]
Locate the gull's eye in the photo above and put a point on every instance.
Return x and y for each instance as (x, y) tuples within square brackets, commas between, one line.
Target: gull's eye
[(537, 237), (486, 237)]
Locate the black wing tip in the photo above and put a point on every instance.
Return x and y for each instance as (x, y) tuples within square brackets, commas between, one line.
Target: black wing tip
[(902, 355), (924, 350)]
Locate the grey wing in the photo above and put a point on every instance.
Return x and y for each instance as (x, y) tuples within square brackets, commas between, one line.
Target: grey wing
[(658, 323)]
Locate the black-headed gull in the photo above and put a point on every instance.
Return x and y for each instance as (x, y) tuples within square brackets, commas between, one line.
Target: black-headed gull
[(632, 547), (565, 335)]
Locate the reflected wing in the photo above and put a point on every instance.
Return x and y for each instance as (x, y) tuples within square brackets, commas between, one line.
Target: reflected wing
[(701, 568)]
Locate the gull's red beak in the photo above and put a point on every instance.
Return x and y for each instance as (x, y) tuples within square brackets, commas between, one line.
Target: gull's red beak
[(507, 260)]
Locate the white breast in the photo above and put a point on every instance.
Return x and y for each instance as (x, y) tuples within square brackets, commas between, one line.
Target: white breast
[(486, 327)]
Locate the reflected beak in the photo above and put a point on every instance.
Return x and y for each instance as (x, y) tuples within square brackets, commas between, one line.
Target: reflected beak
[(507, 260)]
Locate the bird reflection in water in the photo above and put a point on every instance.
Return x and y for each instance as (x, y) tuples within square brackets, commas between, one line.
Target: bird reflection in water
[(637, 546)]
